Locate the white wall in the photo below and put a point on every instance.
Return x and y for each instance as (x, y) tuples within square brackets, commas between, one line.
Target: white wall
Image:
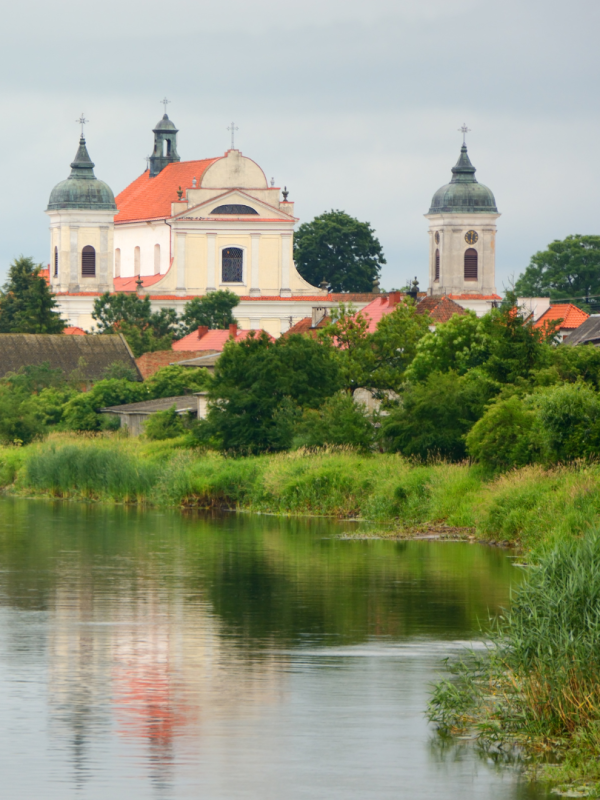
[(145, 236)]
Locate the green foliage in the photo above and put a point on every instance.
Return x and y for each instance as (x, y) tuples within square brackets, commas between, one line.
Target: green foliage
[(376, 361), (21, 420), (251, 380), (120, 371), (145, 330), (567, 269), (458, 345), (340, 250), (164, 425), (433, 417), (569, 421), (33, 378), (213, 310), (81, 412), (339, 421), (26, 303), (174, 380), (503, 437)]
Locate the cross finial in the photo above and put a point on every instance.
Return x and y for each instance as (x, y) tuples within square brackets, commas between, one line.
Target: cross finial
[(464, 130), (233, 129), (147, 162), (82, 121), (165, 102)]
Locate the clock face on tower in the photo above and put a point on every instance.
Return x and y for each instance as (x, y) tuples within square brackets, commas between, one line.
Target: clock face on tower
[(471, 237)]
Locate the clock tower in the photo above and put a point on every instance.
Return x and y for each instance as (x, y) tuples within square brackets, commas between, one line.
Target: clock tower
[(462, 234)]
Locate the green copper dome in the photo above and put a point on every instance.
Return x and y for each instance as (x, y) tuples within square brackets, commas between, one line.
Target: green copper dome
[(82, 189), (463, 195)]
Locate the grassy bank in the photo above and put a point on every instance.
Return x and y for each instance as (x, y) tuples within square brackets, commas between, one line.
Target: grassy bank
[(538, 686), (527, 506)]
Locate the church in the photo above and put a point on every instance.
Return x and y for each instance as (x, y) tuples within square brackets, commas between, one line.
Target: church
[(183, 229)]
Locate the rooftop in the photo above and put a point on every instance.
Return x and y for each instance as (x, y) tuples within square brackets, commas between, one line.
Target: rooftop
[(182, 403), (205, 339), (571, 316)]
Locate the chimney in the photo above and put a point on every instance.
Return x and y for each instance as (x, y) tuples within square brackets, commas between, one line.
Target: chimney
[(317, 315), (233, 330), (202, 331), (394, 298)]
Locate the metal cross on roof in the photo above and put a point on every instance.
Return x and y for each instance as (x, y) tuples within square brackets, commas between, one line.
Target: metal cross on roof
[(464, 130), (164, 101), (233, 129), (82, 121)]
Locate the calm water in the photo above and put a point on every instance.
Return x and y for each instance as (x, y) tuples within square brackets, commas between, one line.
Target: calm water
[(156, 655)]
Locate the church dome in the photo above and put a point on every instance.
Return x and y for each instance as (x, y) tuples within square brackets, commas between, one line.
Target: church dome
[(82, 189), (165, 124), (463, 195)]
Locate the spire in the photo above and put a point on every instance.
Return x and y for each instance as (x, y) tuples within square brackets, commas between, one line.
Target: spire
[(165, 144), (82, 166), (463, 171)]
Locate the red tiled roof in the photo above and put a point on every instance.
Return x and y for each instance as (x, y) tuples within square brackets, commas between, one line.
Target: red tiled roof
[(305, 326), (440, 308), (213, 340), (151, 198), (130, 284), (74, 331), (45, 274), (474, 296), (571, 316)]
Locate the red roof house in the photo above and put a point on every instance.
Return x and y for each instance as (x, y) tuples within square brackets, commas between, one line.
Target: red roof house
[(213, 340), (567, 315)]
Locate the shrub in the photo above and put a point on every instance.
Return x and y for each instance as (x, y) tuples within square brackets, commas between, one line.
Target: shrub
[(164, 425), (21, 420), (339, 421), (569, 421), (503, 437), (174, 380)]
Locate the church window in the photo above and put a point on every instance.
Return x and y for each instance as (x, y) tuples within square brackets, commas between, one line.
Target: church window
[(437, 265), (233, 208), (136, 261), (233, 262), (88, 262), (118, 262), (55, 262), (157, 259), (471, 264)]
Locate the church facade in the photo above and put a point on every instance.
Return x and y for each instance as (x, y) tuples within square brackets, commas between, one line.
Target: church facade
[(183, 229)]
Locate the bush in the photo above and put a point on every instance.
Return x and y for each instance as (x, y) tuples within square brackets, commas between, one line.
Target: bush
[(164, 425), (503, 437), (569, 422), (21, 420), (173, 381), (340, 421)]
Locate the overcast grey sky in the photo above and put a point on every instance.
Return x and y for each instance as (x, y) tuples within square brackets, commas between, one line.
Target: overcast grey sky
[(352, 105)]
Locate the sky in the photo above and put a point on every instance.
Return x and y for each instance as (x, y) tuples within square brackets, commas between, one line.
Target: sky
[(352, 105)]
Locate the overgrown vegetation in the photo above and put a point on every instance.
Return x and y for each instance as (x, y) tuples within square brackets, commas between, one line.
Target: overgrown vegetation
[(539, 682)]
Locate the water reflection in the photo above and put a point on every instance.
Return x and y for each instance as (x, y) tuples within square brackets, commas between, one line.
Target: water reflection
[(148, 654)]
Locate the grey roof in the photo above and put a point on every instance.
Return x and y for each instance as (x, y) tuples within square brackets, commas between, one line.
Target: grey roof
[(186, 402), (165, 124), (82, 189), (65, 352), (201, 361), (587, 332), (463, 195)]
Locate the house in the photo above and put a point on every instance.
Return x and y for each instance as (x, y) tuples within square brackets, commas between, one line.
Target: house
[(208, 341), (134, 415), (207, 362), (568, 317), (88, 357), (587, 333)]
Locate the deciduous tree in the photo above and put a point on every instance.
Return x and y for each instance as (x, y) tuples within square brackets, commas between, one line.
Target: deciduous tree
[(27, 304)]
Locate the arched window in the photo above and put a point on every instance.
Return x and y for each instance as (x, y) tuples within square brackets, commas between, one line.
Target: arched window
[(118, 262), (471, 264), (232, 259), (55, 262), (234, 208), (437, 265), (136, 261), (157, 259), (88, 262)]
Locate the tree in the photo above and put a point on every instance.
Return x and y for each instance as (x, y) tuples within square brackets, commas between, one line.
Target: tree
[(260, 386), (340, 250), (339, 421), (378, 360), (165, 424), (213, 310), (502, 438), (27, 304), (145, 330), (567, 269)]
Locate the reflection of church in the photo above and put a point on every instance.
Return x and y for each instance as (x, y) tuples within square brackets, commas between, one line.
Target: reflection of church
[(186, 228)]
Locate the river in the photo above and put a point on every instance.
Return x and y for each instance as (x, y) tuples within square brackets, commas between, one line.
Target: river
[(149, 654)]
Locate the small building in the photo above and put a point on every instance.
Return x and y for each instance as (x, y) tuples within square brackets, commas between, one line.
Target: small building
[(86, 357), (134, 415), (208, 341), (207, 362), (568, 317)]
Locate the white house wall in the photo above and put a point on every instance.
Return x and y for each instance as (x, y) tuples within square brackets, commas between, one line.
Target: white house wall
[(144, 235)]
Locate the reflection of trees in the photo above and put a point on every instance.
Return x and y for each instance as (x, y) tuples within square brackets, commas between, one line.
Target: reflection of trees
[(158, 621)]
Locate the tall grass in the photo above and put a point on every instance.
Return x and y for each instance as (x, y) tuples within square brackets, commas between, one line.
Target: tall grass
[(541, 678)]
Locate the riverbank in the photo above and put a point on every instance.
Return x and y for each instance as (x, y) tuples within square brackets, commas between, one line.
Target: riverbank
[(527, 507)]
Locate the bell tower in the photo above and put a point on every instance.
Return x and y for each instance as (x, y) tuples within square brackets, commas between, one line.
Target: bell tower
[(462, 234), (165, 144)]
